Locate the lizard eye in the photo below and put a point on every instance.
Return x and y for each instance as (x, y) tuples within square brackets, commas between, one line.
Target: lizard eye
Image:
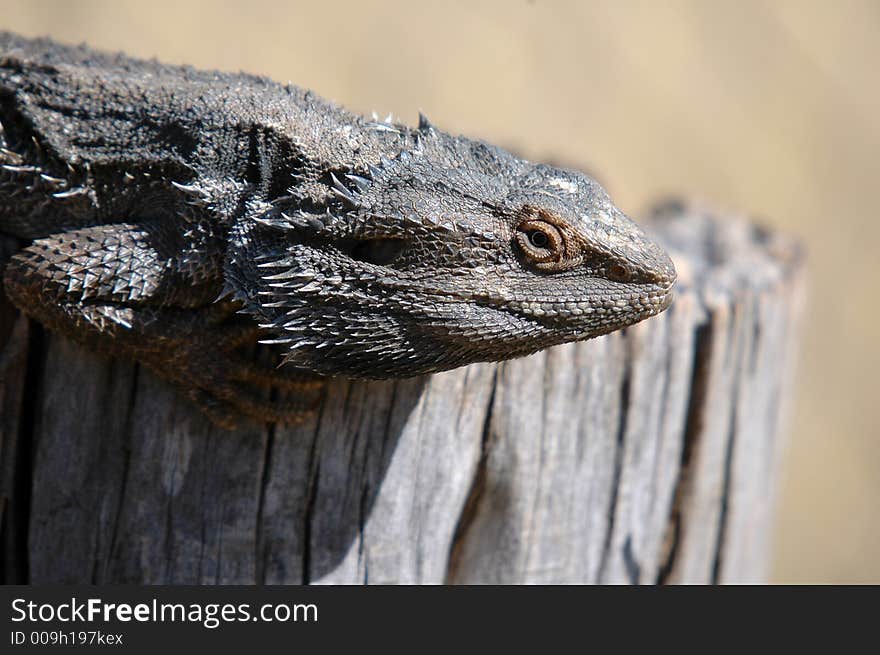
[(538, 239), (541, 242)]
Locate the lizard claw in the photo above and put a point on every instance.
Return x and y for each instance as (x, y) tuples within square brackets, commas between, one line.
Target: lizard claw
[(225, 407), (227, 384)]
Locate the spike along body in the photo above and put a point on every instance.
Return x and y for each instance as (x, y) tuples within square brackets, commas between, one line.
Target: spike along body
[(175, 215)]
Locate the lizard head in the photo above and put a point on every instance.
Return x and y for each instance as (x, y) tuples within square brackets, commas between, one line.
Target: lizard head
[(454, 253)]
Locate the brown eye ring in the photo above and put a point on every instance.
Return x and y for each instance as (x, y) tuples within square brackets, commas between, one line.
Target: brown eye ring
[(540, 241)]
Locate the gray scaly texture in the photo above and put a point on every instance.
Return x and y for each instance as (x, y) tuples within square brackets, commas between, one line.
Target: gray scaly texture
[(177, 216)]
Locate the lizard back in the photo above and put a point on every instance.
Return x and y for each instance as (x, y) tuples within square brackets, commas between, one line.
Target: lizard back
[(75, 120)]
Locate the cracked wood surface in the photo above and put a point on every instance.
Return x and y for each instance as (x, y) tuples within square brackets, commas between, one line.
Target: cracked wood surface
[(645, 456)]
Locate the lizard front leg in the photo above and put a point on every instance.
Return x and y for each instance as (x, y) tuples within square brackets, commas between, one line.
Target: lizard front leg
[(146, 291)]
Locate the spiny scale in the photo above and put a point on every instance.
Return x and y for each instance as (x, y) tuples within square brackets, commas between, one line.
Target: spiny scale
[(354, 247)]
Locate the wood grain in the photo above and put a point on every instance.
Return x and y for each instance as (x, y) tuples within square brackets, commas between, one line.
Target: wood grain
[(650, 455)]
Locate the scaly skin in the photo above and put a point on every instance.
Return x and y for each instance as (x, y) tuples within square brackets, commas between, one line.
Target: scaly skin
[(177, 215)]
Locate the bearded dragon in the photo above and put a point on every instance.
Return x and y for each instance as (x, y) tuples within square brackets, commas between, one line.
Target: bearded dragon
[(175, 216)]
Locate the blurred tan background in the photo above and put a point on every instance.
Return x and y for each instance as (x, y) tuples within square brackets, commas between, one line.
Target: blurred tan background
[(768, 107)]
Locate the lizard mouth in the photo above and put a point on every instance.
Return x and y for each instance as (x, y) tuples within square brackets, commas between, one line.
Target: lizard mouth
[(667, 299), (629, 308)]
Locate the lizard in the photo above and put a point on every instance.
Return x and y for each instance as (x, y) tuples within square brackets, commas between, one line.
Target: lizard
[(176, 216)]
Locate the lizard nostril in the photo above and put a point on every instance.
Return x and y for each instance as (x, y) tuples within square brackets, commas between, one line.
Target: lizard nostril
[(618, 273)]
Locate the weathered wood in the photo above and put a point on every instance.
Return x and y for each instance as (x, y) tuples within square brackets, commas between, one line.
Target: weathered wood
[(644, 456)]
